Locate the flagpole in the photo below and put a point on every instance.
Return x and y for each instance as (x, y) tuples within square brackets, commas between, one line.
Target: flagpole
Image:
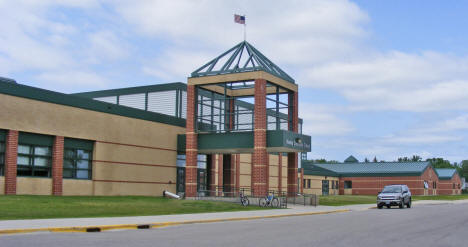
[(245, 32)]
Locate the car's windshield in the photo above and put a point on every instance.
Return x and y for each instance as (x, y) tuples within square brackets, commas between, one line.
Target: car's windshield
[(392, 189)]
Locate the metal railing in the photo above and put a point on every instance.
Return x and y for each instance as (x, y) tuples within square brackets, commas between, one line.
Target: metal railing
[(233, 194)]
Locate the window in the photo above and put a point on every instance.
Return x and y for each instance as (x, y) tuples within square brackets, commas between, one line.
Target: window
[(426, 185), (34, 160), (434, 185), (77, 163), (305, 183), (77, 158), (453, 186), (308, 183), (348, 184)]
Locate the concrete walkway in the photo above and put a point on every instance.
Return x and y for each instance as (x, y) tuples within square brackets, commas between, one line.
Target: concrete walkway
[(109, 223)]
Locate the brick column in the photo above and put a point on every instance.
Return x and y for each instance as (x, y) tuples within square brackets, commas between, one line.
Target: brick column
[(260, 155), (57, 166), (280, 172), (227, 172), (238, 172), (191, 149), (292, 157), (220, 175), (11, 156)]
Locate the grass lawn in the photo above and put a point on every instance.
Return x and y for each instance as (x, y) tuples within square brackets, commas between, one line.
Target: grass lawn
[(441, 197), (341, 200), (43, 207)]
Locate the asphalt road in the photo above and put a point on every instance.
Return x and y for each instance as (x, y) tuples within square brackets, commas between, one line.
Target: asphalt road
[(424, 225)]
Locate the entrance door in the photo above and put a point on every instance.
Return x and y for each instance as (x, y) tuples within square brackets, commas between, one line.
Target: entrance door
[(202, 179), (180, 186), (325, 187)]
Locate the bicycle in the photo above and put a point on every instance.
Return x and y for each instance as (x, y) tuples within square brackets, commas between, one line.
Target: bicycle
[(270, 200), (244, 200)]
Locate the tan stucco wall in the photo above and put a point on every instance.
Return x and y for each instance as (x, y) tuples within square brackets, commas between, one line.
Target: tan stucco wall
[(33, 186), (2, 185), (77, 187), (119, 188), (316, 185), (113, 160)]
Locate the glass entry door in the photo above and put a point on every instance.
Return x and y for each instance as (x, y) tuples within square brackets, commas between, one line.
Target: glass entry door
[(180, 179), (325, 187)]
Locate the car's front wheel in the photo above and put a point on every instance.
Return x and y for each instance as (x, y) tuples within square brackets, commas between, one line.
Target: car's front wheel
[(402, 203), (379, 206), (409, 203)]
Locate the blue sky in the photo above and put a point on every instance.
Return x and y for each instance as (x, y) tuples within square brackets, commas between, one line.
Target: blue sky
[(377, 78)]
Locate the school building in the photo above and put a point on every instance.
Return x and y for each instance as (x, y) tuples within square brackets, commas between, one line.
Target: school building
[(234, 125), (354, 178)]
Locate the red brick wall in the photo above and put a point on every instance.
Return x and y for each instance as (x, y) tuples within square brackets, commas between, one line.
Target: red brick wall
[(57, 166), (373, 185), (260, 155), (220, 173), (191, 149), (292, 157), (446, 187), (11, 154)]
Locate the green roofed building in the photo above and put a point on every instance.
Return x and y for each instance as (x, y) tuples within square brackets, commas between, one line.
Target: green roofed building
[(196, 138), (370, 178)]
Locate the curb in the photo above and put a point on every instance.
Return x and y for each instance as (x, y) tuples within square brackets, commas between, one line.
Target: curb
[(156, 225)]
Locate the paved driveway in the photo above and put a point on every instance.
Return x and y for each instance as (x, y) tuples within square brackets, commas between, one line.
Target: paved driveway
[(423, 225)]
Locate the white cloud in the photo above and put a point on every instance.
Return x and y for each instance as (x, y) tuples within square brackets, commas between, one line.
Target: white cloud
[(398, 81), (321, 120), (72, 81)]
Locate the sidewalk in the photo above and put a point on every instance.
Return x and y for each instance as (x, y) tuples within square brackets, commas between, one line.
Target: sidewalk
[(108, 223), (113, 223)]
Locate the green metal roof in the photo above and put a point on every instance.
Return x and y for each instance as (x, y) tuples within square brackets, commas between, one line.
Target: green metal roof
[(373, 169), (445, 173), (241, 58)]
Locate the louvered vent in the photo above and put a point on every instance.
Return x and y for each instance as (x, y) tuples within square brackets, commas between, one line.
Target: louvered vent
[(162, 102), (133, 100)]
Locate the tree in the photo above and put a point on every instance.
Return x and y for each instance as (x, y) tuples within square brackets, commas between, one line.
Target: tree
[(366, 160), (416, 158), (375, 159), (440, 163), (464, 169)]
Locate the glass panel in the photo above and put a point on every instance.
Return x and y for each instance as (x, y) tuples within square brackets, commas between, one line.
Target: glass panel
[(201, 165), (82, 164), (24, 172), (69, 153), (2, 147), (42, 151), (68, 164), (2, 161), (23, 160), (39, 161), (41, 173), (23, 149), (67, 173), (82, 174), (82, 154)]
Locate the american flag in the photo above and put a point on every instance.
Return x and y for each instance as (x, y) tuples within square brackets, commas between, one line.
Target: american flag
[(239, 19)]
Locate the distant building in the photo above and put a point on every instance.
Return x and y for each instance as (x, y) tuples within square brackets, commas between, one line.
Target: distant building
[(370, 178), (351, 159)]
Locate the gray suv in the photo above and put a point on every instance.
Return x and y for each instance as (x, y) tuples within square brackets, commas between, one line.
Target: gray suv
[(394, 195)]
